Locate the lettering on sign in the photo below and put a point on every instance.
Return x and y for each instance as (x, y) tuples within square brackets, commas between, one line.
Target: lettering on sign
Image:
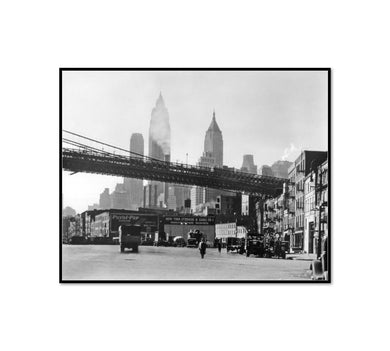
[(210, 220)]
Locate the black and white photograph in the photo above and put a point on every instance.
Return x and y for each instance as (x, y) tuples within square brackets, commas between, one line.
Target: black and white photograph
[(195, 175)]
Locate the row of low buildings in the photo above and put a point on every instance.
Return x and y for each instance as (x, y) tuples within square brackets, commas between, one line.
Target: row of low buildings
[(300, 214), (103, 224)]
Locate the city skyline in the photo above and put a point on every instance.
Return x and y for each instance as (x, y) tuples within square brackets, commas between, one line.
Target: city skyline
[(96, 104)]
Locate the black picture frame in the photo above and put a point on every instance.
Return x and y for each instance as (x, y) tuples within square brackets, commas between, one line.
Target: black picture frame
[(329, 281)]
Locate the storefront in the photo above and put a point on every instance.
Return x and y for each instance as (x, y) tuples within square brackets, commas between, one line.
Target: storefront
[(107, 223), (182, 225), (297, 241)]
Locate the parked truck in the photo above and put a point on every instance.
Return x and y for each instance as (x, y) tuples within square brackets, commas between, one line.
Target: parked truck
[(129, 237), (254, 244), (194, 238), (233, 244)]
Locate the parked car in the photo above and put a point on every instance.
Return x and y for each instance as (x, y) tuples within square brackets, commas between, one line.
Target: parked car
[(179, 241), (162, 243), (147, 242)]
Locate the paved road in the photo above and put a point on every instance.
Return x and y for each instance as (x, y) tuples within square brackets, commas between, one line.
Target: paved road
[(105, 262)]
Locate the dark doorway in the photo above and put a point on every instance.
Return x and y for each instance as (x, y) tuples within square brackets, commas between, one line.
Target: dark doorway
[(311, 237)]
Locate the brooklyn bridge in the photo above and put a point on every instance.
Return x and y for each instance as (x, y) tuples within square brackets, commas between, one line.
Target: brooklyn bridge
[(78, 155)]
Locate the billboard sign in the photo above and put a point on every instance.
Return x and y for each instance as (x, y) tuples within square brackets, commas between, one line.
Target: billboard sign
[(185, 220)]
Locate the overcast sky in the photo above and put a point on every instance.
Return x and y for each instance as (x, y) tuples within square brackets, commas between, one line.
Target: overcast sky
[(270, 114)]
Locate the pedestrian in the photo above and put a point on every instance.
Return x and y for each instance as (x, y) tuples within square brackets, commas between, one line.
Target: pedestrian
[(202, 248), (219, 246)]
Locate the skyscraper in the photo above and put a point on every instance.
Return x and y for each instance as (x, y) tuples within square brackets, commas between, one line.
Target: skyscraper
[(120, 197), (159, 131), (105, 200), (137, 144), (160, 141), (213, 142), (135, 187), (248, 165), (212, 157)]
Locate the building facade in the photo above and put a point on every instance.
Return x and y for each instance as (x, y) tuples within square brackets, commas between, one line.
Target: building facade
[(177, 225), (182, 193), (106, 224), (229, 204), (298, 213), (213, 142), (248, 165), (212, 157), (316, 208), (159, 145), (297, 173), (229, 230), (105, 199), (266, 171), (120, 197), (135, 187), (280, 169)]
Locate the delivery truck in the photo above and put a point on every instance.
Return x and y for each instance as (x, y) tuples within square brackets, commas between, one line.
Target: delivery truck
[(129, 237)]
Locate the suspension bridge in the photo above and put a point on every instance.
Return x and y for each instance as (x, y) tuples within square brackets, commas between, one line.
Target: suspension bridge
[(78, 155)]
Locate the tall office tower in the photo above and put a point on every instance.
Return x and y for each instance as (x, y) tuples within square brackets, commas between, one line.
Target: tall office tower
[(171, 201), (120, 198), (213, 142), (135, 187), (160, 141), (182, 193), (197, 197), (266, 171), (207, 160), (137, 144), (280, 169), (248, 164), (105, 199), (212, 157)]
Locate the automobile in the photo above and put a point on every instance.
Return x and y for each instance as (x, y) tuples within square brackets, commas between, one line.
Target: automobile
[(254, 247), (233, 244), (192, 242), (147, 242), (254, 244), (280, 249), (179, 241), (162, 243)]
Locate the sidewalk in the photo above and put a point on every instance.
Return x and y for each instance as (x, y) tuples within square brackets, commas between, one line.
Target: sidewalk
[(301, 257)]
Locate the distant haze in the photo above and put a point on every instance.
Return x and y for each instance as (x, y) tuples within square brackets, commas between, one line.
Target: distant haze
[(270, 114)]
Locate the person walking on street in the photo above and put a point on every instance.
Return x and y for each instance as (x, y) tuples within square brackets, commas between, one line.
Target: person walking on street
[(202, 248), (219, 246)]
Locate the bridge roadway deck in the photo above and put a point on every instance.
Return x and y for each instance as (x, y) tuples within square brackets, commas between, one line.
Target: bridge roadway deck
[(134, 167)]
